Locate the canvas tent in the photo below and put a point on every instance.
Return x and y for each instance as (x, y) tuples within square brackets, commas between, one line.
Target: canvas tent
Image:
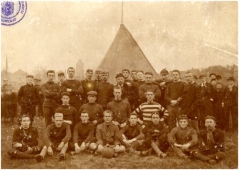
[(123, 53)]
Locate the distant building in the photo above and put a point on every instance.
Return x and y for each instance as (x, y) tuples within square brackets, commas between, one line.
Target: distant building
[(80, 70)]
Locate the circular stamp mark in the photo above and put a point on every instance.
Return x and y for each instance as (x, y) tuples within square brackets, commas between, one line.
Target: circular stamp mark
[(13, 12)]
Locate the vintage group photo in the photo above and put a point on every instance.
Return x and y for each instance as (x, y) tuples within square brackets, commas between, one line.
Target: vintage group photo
[(119, 85)]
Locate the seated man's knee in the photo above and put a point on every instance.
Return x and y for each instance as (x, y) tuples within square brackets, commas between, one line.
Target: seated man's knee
[(92, 146)]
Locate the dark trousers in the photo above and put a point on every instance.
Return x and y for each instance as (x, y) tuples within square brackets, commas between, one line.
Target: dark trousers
[(28, 110), (173, 115), (234, 112), (48, 114)]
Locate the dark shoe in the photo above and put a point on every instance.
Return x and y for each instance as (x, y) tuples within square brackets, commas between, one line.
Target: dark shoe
[(211, 161), (39, 158), (61, 157)]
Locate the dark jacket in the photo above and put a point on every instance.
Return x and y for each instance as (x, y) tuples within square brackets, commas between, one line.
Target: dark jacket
[(51, 93), (27, 95)]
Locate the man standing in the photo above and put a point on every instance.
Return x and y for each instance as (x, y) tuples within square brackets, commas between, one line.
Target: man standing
[(94, 110), (97, 76), (61, 79), (156, 136), (27, 98), (173, 95), (145, 110), (104, 90), (24, 140), (56, 138), (211, 142), (134, 75), (136, 85), (74, 87), (126, 73), (231, 104), (51, 93), (37, 85), (88, 84), (83, 134), (212, 76), (131, 134), (120, 108), (106, 134)]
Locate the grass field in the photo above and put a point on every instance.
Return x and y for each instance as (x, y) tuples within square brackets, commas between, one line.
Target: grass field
[(86, 160)]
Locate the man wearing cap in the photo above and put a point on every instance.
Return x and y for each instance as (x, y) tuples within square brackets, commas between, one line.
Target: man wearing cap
[(27, 98), (83, 134), (97, 76), (37, 85), (162, 83), (127, 91), (131, 134), (25, 140), (94, 110), (211, 142), (148, 85), (173, 95), (69, 112), (145, 110), (8, 104), (231, 104), (56, 138), (212, 76), (51, 93), (205, 98), (88, 85), (104, 90), (106, 134), (121, 108), (74, 87), (61, 78), (187, 105)]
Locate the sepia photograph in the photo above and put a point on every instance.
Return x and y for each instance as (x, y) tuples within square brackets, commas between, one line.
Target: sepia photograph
[(119, 84)]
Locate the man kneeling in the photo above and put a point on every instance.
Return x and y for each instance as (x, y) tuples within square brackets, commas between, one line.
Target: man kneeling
[(56, 138), (24, 140), (106, 134)]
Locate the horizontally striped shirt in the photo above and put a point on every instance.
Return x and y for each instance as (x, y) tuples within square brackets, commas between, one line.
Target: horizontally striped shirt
[(145, 110)]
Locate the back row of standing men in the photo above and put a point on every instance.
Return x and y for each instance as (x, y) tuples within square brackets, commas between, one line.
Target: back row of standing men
[(196, 100)]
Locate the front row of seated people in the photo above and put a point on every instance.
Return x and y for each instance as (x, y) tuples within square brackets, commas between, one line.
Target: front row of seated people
[(207, 145)]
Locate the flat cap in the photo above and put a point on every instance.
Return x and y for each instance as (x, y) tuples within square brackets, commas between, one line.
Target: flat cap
[(230, 78), (212, 74), (183, 117), (65, 94), (164, 71), (29, 76), (210, 117), (119, 75), (92, 93), (149, 73), (89, 70)]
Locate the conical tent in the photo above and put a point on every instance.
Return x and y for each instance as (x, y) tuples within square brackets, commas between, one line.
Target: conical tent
[(125, 53)]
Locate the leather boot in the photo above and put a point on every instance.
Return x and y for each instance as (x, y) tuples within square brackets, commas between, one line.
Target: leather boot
[(20, 155), (40, 157)]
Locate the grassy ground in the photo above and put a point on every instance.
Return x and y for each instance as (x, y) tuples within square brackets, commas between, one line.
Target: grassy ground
[(127, 161)]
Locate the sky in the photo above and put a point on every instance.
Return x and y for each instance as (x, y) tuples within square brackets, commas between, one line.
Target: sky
[(172, 35)]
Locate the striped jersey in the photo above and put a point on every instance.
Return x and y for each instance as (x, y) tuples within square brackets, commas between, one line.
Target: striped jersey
[(145, 110)]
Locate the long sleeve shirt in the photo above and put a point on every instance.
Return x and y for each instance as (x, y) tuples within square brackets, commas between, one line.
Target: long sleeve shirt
[(189, 95), (173, 91), (87, 85), (83, 132), (231, 97), (69, 113), (94, 110), (121, 110), (106, 133), (76, 90), (28, 95), (51, 93), (54, 134), (145, 110), (105, 93), (131, 132), (149, 86), (182, 136)]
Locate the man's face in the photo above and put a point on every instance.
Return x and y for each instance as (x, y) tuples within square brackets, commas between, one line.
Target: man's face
[(107, 117), (219, 80), (134, 75), (125, 74), (98, 75), (120, 80), (175, 76), (71, 72), (202, 79), (61, 78), (51, 76), (155, 119), (148, 78), (37, 82), (213, 82), (58, 120), (210, 124), (105, 77), (219, 87), (91, 99), (29, 80), (84, 117), (164, 76), (89, 75), (117, 94), (183, 123), (189, 77), (65, 100), (149, 96), (231, 82), (25, 122), (133, 120), (213, 77), (140, 76)]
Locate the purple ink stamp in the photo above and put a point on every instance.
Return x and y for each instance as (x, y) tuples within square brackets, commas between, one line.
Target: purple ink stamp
[(13, 12)]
